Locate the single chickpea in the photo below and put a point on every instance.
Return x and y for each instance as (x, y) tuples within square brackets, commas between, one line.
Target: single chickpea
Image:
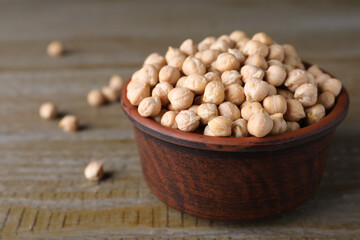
[(332, 85), (227, 39), (272, 90), (188, 47), (230, 110), (207, 131), (256, 60), (187, 120), (147, 75), (237, 35), (295, 110), (116, 82), (69, 123), (253, 47), (55, 49), (289, 50), (235, 93), (242, 43), (315, 70), (208, 56), (275, 104), (206, 43), (156, 60), (177, 62), (260, 124), (193, 65), (262, 37), (94, 171), (276, 52), (149, 107), (327, 99), (136, 92), (214, 92), (294, 62), (321, 78), (220, 126), (196, 82), (306, 94), (221, 44), (275, 75), (250, 109), (162, 90), (95, 98), (273, 62), (238, 55), (250, 72), (181, 82), (181, 98), (231, 77), (245, 103), (194, 108), (285, 93), (158, 117), (256, 90), (292, 126), (168, 119), (239, 128), (110, 94), (173, 52), (295, 78), (279, 124), (206, 112), (314, 113), (48, 111), (226, 62), (310, 78), (212, 76), (169, 74)]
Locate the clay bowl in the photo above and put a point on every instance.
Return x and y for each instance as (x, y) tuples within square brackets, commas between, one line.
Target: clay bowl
[(234, 178)]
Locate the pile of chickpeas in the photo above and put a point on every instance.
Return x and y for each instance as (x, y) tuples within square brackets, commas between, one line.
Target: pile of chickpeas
[(232, 85)]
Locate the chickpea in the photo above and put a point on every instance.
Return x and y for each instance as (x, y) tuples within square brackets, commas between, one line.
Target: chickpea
[(110, 94), (226, 62), (256, 90), (244, 104), (168, 119), (94, 171), (231, 77), (196, 82), (161, 90), (239, 128), (238, 55), (257, 60), (327, 99), (275, 104), (221, 44), (321, 78), (188, 47), (207, 131), (288, 67), (292, 126), (158, 117), (237, 35), (273, 62), (55, 49), (187, 120), (150, 107), (193, 65), (295, 110), (169, 74), (208, 56), (95, 98), (275, 75), (230, 110), (181, 98), (48, 111), (194, 108), (295, 78), (235, 93), (290, 50), (306, 94), (315, 70), (276, 52), (206, 43), (214, 92), (181, 81), (177, 62), (220, 126), (156, 60), (314, 113), (285, 93), (173, 52), (279, 124), (294, 62), (272, 90), (249, 72), (253, 47), (242, 43), (69, 123), (147, 75), (212, 76), (250, 109), (262, 37), (332, 85), (310, 78), (136, 92), (227, 39), (206, 112), (260, 124), (116, 82)]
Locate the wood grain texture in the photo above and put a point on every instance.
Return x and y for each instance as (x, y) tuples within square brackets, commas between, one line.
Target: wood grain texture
[(43, 194)]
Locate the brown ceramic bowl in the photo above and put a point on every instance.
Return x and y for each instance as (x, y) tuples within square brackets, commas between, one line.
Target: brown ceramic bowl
[(234, 178)]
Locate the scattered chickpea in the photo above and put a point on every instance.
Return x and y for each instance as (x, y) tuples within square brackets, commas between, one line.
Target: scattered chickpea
[(168, 119), (237, 35), (315, 70), (272, 90), (213, 76), (187, 120), (147, 75), (206, 43), (55, 49), (332, 85), (193, 65), (276, 52), (285, 93), (220, 126), (250, 109), (249, 72), (231, 77), (169, 74), (275, 75), (208, 56), (235, 93), (262, 37), (279, 124), (172, 53), (314, 113), (295, 78), (206, 112), (188, 47), (116, 82), (181, 98), (94, 171), (257, 60), (214, 92), (275, 104), (48, 111), (109, 94), (230, 110), (327, 99), (260, 124), (156, 60), (226, 62), (69, 123), (162, 90), (196, 82), (239, 128), (306, 94), (136, 92), (149, 107), (177, 62), (95, 98), (295, 110), (256, 90), (253, 47), (292, 126)]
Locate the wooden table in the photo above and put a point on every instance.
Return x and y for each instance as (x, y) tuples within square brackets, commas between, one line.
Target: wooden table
[(43, 193)]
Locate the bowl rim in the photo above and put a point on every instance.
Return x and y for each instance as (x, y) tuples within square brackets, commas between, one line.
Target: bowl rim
[(235, 144)]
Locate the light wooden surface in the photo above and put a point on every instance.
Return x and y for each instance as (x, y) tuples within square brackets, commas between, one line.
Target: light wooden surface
[(43, 194)]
